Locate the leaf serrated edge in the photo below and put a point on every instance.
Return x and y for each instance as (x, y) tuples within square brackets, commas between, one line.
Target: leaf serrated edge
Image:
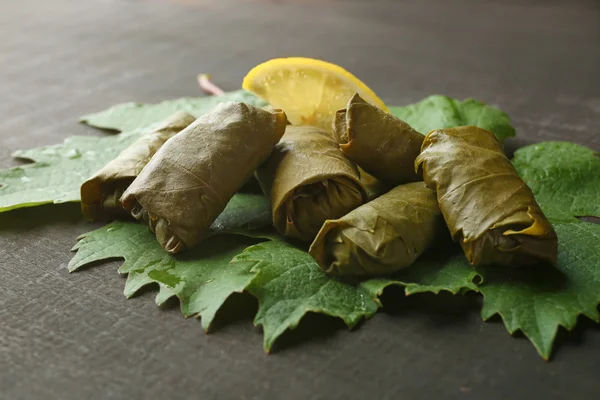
[(545, 353), (128, 292), (268, 341)]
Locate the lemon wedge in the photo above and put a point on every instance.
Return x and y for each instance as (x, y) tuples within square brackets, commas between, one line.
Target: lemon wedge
[(309, 91)]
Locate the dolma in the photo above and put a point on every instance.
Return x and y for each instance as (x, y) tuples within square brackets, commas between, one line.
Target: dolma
[(309, 180), (381, 236), (101, 193), (489, 210), (190, 180), (381, 144)]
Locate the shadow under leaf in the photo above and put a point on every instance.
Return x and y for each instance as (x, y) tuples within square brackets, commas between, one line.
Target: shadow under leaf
[(24, 219), (553, 279), (313, 328), (443, 307), (576, 335), (239, 308)]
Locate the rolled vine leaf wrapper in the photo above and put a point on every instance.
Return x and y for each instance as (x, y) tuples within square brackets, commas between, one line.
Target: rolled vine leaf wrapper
[(382, 236), (373, 186), (190, 180), (489, 210), (101, 193), (309, 180), (381, 144)]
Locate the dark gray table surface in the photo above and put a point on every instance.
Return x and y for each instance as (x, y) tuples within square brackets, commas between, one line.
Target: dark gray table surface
[(75, 336)]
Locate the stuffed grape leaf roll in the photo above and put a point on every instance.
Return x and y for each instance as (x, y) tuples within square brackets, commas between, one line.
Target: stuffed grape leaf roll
[(190, 180), (309, 180), (381, 144), (101, 193), (381, 236), (489, 210)]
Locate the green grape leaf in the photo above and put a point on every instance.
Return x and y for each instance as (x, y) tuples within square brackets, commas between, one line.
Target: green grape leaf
[(289, 283), (439, 112), (129, 116), (244, 213), (445, 269), (565, 179), (59, 170), (202, 278), (537, 300)]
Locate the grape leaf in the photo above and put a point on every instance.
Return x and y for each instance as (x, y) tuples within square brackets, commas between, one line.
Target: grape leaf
[(244, 212), (438, 112), (445, 269), (289, 283), (565, 180), (59, 170), (201, 278), (539, 299), (130, 116)]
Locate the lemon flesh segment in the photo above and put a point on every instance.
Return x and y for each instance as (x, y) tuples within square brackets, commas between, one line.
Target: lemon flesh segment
[(309, 91)]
